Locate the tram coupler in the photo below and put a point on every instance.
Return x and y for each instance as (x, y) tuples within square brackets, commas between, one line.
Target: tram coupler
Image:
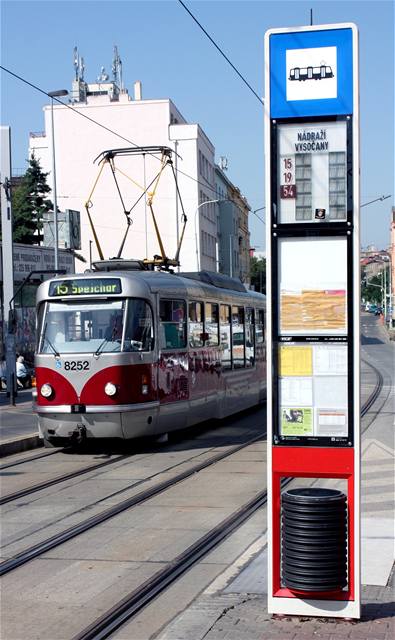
[(78, 435)]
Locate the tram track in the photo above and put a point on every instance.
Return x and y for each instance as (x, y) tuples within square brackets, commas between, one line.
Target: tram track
[(129, 606), (104, 626), (27, 459), (374, 396), (136, 600), (37, 550), (63, 478)]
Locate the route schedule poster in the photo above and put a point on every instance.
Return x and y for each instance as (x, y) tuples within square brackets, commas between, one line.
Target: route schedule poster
[(313, 286), (313, 390), (312, 172)]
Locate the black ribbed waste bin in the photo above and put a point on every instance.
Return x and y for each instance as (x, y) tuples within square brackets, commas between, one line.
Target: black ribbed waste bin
[(314, 539)]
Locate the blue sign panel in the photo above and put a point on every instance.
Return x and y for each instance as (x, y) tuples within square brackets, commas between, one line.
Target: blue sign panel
[(311, 73)]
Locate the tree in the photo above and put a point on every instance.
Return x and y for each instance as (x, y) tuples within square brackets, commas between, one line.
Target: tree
[(258, 274), (29, 204), (371, 290)]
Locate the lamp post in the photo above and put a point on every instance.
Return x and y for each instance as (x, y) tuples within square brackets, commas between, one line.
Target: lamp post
[(55, 94)]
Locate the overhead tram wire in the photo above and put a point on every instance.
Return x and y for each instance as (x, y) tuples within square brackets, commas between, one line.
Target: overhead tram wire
[(222, 53), (99, 124)]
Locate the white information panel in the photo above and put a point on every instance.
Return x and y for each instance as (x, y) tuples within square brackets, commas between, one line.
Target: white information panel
[(312, 172), (312, 286), (313, 390)]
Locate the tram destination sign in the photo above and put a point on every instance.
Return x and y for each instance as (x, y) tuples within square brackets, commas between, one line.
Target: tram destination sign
[(86, 286)]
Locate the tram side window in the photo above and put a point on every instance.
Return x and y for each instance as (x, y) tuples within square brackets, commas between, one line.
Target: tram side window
[(139, 327), (238, 337), (196, 329), (250, 343), (224, 327), (172, 315), (260, 327), (212, 327)]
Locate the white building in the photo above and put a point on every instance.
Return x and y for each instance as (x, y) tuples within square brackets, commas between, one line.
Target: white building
[(79, 140)]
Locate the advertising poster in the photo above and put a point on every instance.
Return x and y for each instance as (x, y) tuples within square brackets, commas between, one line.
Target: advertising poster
[(296, 421)]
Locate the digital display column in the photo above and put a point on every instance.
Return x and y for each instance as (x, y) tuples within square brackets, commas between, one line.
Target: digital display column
[(312, 244)]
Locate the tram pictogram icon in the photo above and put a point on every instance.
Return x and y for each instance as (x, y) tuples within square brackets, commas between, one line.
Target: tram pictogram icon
[(311, 73)]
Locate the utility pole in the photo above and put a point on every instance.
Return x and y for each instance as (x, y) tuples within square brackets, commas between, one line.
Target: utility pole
[(8, 260)]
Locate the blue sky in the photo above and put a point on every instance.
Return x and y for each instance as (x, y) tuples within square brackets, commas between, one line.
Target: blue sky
[(160, 45)]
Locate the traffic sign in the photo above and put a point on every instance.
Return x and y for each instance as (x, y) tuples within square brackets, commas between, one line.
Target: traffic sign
[(312, 71)]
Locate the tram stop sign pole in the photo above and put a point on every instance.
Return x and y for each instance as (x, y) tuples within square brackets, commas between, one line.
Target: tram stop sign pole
[(312, 243)]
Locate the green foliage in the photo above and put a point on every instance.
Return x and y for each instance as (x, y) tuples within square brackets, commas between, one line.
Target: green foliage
[(258, 274), (371, 289), (29, 204)]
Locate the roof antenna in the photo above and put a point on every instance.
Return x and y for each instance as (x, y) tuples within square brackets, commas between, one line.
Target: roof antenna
[(311, 17)]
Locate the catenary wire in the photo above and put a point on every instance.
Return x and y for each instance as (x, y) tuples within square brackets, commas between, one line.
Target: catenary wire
[(221, 52)]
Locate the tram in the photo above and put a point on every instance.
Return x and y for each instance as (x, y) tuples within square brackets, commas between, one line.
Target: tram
[(125, 352)]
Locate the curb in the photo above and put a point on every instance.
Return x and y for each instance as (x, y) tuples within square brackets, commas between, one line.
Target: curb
[(24, 443)]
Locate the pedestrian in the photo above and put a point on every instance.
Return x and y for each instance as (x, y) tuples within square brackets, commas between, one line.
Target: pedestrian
[(3, 375), (22, 376)]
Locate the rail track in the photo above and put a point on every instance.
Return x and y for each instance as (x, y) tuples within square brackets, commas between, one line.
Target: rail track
[(63, 478), (30, 459), (36, 550), (129, 606)]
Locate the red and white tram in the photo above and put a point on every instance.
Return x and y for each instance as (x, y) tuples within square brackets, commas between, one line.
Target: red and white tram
[(124, 352)]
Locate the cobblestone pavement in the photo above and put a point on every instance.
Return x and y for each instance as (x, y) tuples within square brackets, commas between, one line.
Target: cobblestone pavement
[(249, 620), (244, 617)]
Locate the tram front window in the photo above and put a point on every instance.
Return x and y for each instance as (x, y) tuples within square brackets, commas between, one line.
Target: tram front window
[(82, 327), (96, 327)]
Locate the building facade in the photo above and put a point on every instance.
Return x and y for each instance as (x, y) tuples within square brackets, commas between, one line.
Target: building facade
[(126, 122), (28, 258), (233, 234)]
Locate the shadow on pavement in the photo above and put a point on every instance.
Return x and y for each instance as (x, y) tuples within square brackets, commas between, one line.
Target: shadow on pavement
[(374, 610)]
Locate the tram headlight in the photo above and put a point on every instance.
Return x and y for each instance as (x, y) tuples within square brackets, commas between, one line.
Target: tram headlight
[(46, 390), (110, 389)]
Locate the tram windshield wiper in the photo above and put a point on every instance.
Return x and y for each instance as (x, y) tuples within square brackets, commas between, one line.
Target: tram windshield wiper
[(100, 347), (55, 352), (104, 342)]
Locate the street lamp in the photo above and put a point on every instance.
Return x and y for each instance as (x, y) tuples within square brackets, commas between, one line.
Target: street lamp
[(196, 234), (55, 94), (256, 215)]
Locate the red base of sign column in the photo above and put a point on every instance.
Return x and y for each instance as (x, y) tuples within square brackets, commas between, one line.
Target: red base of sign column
[(307, 462)]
